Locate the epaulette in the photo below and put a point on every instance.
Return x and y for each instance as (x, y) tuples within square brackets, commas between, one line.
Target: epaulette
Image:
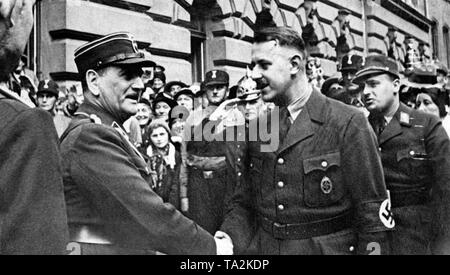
[(405, 119), (94, 118)]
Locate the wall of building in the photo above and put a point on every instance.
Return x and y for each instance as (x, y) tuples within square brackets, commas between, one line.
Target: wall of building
[(167, 27), (439, 11)]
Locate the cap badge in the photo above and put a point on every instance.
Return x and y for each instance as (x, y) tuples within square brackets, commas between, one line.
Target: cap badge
[(214, 74), (46, 84), (349, 62), (135, 45), (326, 185)]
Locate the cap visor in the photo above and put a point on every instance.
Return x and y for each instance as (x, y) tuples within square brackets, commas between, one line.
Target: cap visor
[(360, 78), (212, 83), (136, 61)]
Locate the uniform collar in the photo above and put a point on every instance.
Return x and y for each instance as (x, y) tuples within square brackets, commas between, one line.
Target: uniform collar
[(316, 105), (89, 109), (303, 126), (401, 119)]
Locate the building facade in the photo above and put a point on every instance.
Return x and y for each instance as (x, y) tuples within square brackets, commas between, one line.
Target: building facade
[(189, 37)]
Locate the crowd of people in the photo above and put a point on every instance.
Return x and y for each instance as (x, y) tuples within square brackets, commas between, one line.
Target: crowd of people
[(137, 164)]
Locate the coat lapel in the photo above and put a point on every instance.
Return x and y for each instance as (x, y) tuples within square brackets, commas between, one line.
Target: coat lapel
[(393, 129)]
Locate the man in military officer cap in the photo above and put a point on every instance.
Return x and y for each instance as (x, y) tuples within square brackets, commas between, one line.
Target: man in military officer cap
[(32, 210), (209, 183), (111, 207), (415, 152)]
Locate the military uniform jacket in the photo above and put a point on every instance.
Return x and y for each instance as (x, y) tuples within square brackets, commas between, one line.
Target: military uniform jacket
[(328, 166), (32, 209), (415, 152), (107, 187)]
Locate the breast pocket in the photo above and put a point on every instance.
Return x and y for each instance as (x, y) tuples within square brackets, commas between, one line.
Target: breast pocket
[(323, 184), (415, 162)]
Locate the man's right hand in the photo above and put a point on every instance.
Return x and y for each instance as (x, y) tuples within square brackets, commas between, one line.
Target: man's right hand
[(224, 244)]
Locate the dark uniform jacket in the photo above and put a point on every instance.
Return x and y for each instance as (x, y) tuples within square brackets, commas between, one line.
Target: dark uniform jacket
[(415, 152), (32, 210), (325, 178), (107, 187), (208, 180)]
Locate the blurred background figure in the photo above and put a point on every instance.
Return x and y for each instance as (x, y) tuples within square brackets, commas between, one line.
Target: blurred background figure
[(47, 97), (158, 82), (429, 94), (332, 88), (315, 72), (33, 218), (144, 117), (162, 105), (172, 88), (185, 97)]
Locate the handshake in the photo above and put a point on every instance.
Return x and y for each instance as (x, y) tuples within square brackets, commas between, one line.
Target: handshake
[(224, 244)]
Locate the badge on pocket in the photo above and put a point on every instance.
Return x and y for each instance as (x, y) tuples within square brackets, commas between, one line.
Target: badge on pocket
[(326, 185)]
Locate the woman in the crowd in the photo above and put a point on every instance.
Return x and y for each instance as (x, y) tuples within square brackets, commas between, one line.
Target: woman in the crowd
[(172, 88), (433, 100), (185, 97), (158, 82), (162, 105), (164, 163), (144, 116)]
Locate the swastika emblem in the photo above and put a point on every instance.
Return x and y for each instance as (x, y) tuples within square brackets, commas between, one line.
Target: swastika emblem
[(386, 215), (326, 185)]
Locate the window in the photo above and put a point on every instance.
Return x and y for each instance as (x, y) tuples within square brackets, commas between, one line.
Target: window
[(446, 45), (435, 39), (198, 37), (197, 58), (31, 51)]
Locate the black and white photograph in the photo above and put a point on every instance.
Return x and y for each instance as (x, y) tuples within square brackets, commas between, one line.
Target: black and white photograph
[(244, 129)]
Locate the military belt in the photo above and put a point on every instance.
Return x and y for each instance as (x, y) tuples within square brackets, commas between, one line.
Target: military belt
[(409, 198), (306, 230)]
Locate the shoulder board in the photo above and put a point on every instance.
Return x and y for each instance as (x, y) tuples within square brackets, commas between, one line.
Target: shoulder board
[(405, 119)]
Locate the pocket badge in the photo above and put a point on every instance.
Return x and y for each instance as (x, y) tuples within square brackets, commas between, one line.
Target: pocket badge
[(326, 185)]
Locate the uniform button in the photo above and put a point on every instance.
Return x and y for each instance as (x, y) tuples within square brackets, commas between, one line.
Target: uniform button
[(280, 161), (239, 160), (379, 149), (281, 184), (352, 248), (412, 153), (239, 146), (239, 174), (281, 207), (324, 164), (252, 165)]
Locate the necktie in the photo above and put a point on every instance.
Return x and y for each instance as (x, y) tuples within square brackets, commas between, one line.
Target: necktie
[(285, 123), (382, 126)]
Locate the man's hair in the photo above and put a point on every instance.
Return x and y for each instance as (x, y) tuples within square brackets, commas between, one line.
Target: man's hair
[(286, 37)]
